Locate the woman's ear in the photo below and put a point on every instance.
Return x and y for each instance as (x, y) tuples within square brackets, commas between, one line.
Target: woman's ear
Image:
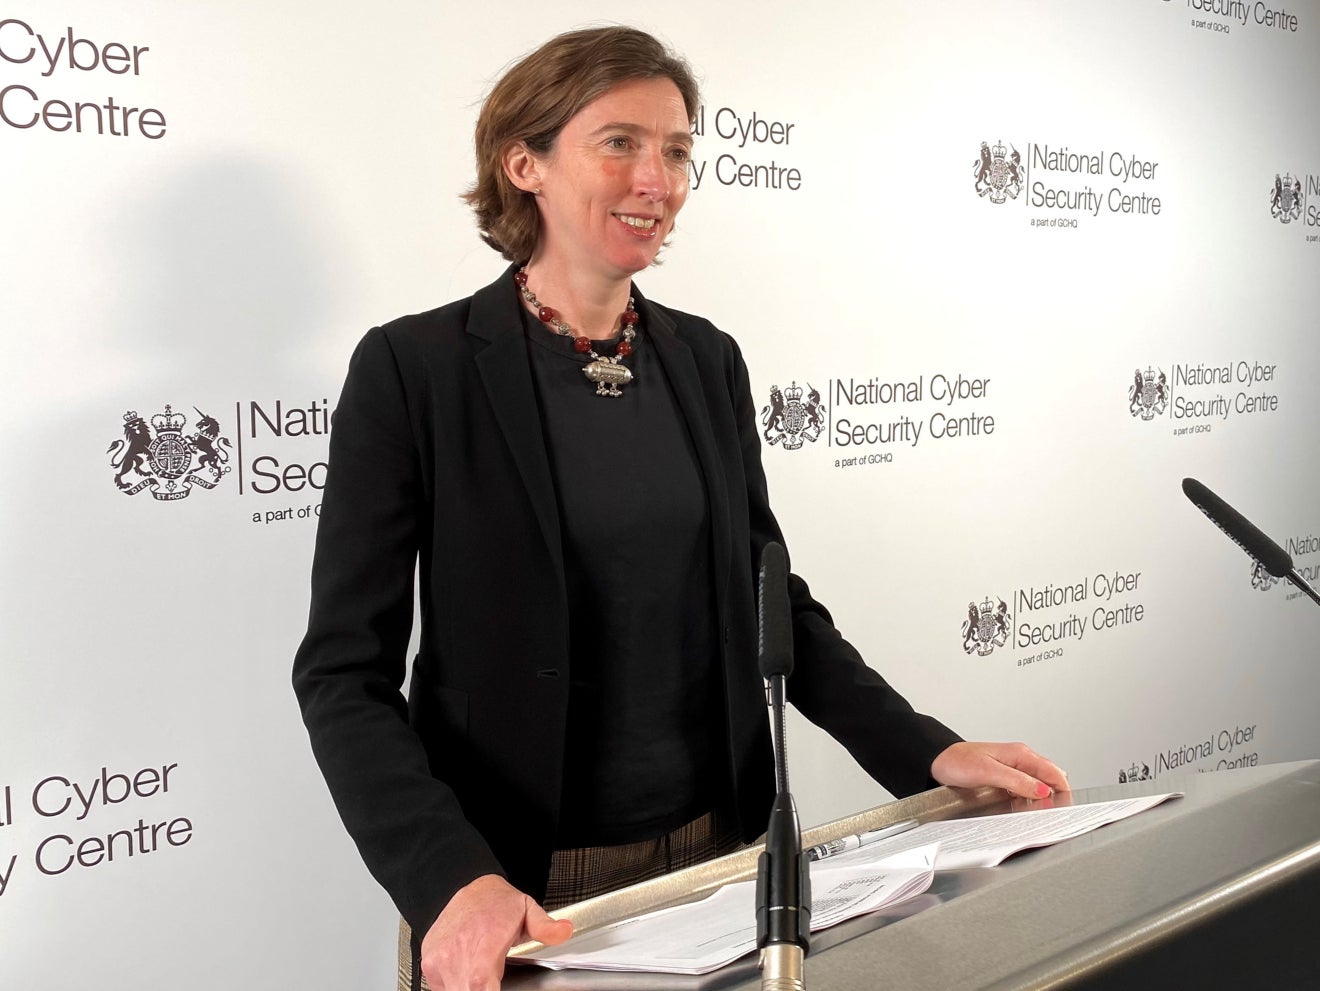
[(522, 167)]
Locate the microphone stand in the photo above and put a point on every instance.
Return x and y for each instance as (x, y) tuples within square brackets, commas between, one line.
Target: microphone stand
[(1295, 577), (783, 879)]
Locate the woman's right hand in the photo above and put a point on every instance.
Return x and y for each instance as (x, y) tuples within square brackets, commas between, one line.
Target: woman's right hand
[(464, 949)]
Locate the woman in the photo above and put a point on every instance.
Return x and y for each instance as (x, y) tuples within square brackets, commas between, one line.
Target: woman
[(560, 455)]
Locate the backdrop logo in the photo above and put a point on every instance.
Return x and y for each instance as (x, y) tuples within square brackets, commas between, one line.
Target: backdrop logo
[(1299, 549), (44, 50), (1201, 397), (1062, 186), (1261, 580), (747, 136), (877, 416), (1223, 16), (164, 463), (1148, 396), (986, 628), (1286, 198), (998, 174), (1134, 773), (1223, 748), (790, 420)]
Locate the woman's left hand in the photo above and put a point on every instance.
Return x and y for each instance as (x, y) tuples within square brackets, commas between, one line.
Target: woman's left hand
[(1015, 767)]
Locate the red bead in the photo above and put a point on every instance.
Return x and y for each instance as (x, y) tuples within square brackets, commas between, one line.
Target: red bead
[(624, 349), (520, 278), (546, 315), (629, 317), (581, 344)]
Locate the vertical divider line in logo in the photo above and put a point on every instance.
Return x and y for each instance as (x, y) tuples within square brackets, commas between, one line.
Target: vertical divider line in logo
[(238, 432), (829, 413), (1026, 185)]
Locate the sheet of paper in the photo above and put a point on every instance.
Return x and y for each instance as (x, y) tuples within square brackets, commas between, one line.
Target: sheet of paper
[(988, 840), (705, 935)]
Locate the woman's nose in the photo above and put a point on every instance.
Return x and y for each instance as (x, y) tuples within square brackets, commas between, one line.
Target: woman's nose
[(651, 179)]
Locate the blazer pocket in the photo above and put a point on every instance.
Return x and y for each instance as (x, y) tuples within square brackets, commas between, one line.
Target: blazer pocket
[(439, 716)]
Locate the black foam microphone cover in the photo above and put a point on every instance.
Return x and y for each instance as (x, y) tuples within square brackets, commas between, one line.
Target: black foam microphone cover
[(775, 655), (1240, 530)]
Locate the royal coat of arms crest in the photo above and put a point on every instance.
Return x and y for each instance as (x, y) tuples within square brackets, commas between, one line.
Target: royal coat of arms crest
[(1286, 198), (998, 173), (790, 419), (163, 463), (986, 627), (1148, 396)]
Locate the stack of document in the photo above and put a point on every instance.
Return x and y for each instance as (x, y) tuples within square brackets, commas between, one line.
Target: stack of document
[(703, 936), (988, 841), (876, 871)]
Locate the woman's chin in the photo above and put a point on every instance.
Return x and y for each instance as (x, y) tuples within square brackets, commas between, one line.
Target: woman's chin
[(638, 259)]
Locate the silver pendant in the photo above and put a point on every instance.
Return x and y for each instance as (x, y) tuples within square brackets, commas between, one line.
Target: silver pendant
[(608, 376)]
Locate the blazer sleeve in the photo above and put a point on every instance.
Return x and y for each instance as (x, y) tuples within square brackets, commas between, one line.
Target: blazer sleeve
[(831, 684), (349, 670)]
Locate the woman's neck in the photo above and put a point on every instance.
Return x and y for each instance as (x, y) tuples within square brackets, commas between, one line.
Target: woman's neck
[(588, 304)]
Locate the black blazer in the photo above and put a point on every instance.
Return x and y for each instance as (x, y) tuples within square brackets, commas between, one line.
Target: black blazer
[(437, 461)]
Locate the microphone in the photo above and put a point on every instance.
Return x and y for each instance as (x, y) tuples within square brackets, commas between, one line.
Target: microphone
[(1246, 535), (783, 880), (775, 655), (1239, 529)]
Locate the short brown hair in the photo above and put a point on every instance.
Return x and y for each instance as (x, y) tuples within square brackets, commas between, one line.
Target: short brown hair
[(535, 99)]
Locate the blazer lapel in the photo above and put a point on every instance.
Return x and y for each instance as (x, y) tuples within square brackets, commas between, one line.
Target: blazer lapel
[(685, 379), (501, 360)]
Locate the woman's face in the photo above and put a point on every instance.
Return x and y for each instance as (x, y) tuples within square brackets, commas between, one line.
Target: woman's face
[(615, 180)]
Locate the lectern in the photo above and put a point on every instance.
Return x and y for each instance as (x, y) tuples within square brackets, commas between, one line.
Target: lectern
[(1219, 889)]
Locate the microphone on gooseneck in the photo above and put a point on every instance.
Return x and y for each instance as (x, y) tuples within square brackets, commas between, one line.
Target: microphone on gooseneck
[(775, 654), (1246, 535), (783, 881)]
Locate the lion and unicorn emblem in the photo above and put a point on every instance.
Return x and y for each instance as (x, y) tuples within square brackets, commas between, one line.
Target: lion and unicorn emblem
[(164, 461)]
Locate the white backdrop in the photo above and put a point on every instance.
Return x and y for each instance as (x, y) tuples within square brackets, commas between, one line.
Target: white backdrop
[(290, 176)]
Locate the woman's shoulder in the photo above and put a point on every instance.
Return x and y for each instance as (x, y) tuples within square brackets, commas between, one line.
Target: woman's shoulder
[(404, 352), (489, 312), (429, 327)]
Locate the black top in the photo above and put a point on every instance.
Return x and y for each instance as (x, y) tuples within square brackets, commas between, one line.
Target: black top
[(646, 704)]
